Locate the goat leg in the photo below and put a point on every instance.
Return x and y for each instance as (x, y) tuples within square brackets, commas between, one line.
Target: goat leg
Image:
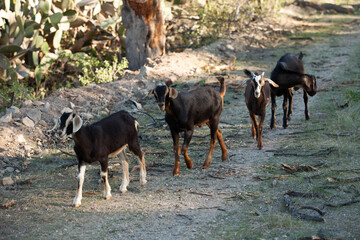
[(213, 133), (125, 168), (176, 149), (135, 148), (104, 176), (187, 138), (142, 170), (273, 110), (224, 151), (81, 177), (254, 126), (307, 116), (285, 107), (289, 115)]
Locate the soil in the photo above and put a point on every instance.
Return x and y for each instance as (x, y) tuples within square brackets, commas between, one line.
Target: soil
[(241, 198)]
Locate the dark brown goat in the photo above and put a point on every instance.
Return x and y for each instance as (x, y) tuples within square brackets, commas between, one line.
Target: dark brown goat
[(289, 73), (257, 97), (186, 110), (97, 142)]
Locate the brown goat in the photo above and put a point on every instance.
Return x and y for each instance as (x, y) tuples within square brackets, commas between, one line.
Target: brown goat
[(257, 97), (186, 110)]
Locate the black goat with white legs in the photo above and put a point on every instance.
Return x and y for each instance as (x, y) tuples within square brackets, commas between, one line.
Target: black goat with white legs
[(289, 73), (99, 141), (257, 97), (186, 110)]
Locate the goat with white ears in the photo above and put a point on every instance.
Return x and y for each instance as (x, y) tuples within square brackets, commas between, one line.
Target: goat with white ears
[(101, 140), (257, 97)]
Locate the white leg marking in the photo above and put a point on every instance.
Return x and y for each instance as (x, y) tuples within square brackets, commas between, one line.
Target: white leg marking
[(125, 167), (107, 190), (81, 177), (142, 171)]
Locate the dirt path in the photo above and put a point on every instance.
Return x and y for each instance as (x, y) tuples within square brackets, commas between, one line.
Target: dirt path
[(229, 200)]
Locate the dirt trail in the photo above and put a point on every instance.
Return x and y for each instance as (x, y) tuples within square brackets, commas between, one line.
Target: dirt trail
[(197, 203)]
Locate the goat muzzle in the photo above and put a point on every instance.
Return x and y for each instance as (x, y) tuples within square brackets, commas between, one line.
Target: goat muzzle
[(161, 106)]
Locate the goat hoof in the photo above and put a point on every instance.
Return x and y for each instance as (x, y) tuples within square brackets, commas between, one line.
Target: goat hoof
[(143, 183), (76, 205), (189, 165), (107, 197), (205, 166), (176, 172), (123, 190)]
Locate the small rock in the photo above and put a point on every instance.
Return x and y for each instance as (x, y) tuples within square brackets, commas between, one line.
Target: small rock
[(6, 118), (46, 107), (27, 103), (20, 139), (9, 169), (230, 47), (35, 115), (66, 110), (80, 99), (28, 122), (71, 105), (28, 148), (38, 103), (13, 110), (87, 116), (43, 123), (7, 181)]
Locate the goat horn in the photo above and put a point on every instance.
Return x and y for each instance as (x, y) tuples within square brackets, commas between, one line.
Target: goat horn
[(56, 125), (244, 81), (271, 82)]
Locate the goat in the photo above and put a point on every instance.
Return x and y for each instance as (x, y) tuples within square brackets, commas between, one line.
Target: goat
[(289, 73), (257, 97), (101, 140), (185, 110)]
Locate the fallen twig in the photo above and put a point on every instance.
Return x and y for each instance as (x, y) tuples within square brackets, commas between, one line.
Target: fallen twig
[(335, 179), (259, 178), (203, 194), (322, 213), (296, 168), (217, 207), (301, 194), (352, 201), (137, 167), (296, 214), (9, 204), (66, 153), (185, 216), (346, 170), (215, 176)]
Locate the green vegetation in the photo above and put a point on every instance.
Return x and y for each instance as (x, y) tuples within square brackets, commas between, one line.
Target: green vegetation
[(34, 38)]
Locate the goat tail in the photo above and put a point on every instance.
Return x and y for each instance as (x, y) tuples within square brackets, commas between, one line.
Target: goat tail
[(222, 86)]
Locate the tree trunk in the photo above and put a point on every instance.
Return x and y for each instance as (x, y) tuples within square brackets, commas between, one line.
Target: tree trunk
[(145, 32)]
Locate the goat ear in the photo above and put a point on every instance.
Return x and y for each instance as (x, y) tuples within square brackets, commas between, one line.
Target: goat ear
[(301, 55), (262, 74), (77, 123), (173, 93), (283, 65), (271, 82), (248, 73)]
